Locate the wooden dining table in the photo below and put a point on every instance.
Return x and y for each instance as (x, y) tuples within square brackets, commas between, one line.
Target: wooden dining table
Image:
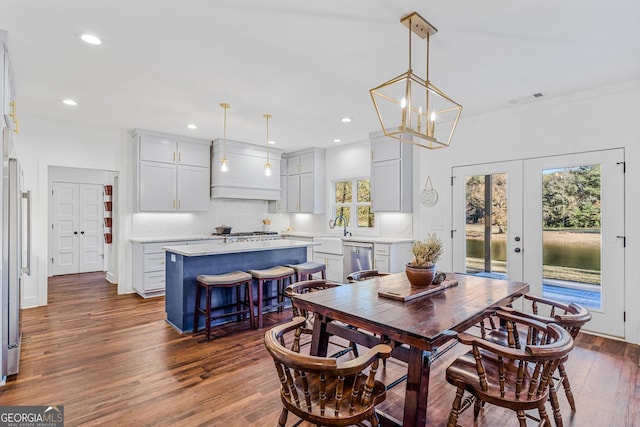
[(418, 328)]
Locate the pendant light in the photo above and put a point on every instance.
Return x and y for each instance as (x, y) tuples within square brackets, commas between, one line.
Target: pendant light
[(224, 163), (412, 109), (267, 166)]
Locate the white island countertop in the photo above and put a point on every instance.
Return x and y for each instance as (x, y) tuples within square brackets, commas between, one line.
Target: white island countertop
[(176, 238), (236, 247)]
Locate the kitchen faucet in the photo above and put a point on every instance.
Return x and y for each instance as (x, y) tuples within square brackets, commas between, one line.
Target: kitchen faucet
[(344, 222)]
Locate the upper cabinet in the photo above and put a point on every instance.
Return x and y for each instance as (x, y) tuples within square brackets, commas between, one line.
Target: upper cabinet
[(305, 181), (245, 177), (391, 174), (172, 173), (7, 87), (280, 205)]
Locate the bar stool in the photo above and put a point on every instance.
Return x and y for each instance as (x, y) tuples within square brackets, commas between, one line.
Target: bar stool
[(279, 275), (229, 280), (306, 269)]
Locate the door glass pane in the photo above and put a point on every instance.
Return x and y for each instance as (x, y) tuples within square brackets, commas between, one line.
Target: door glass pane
[(486, 224), (571, 239)]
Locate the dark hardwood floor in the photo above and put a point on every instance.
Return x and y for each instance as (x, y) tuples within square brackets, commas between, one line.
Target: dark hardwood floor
[(112, 360)]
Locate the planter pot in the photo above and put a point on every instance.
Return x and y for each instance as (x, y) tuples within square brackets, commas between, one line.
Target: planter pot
[(420, 276)]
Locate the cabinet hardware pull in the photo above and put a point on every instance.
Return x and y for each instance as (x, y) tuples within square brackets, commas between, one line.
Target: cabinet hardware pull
[(174, 156), (179, 157), (12, 104), (179, 204), (174, 203), (17, 129)]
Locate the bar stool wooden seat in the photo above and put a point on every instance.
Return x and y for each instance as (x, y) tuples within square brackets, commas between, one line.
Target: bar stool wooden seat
[(281, 276), (228, 280), (305, 270)]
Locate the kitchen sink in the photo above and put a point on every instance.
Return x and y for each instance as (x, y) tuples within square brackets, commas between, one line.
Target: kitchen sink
[(328, 245)]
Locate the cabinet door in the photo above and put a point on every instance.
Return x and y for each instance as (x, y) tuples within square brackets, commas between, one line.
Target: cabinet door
[(306, 193), (280, 206), (306, 162), (381, 263), (194, 154), (333, 264), (293, 165), (157, 187), (293, 193), (193, 189), (386, 186), (8, 89), (157, 149), (385, 148)]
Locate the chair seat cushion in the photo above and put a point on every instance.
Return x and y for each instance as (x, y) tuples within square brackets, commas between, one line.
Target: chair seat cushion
[(222, 279), (463, 372), (272, 273), (308, 267)]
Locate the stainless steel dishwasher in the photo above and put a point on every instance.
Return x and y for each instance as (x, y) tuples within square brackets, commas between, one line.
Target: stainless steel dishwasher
[(357, 256)]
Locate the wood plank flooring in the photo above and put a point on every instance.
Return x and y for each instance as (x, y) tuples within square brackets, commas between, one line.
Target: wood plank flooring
[(112, 360)]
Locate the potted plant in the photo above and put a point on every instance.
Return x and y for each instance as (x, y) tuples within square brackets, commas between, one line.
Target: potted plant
[(422, 268)]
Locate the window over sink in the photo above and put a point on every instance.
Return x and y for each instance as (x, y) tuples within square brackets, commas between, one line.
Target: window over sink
[(352, 203)]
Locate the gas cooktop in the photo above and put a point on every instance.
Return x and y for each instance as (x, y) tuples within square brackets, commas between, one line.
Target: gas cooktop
[(247, 233)]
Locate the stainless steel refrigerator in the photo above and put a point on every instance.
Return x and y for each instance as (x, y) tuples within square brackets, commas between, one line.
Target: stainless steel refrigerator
[(14, 203)]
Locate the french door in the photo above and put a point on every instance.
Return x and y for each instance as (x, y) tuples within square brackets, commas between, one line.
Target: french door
[(76, 229), (554, 222)]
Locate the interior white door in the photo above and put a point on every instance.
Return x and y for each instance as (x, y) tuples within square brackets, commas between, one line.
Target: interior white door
[(76, 229), (607, 308), (90, 222), (505, 236), (64, 228)]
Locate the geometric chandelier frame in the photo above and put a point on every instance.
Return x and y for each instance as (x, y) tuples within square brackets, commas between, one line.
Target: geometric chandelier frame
[(410, 108)]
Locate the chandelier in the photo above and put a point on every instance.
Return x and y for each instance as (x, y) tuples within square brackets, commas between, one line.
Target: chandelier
[(410, 108)]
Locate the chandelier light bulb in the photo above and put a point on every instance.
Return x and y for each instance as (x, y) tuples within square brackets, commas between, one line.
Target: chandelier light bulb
[(403, 102), (224, 165), (267, 169)]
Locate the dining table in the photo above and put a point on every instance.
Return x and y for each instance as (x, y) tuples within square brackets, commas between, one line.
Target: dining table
[(419, 324)]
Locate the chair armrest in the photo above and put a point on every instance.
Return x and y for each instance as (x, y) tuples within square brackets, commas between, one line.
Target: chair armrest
[(380, 351)]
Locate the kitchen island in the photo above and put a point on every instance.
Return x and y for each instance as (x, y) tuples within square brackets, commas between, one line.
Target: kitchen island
[(185, 262)]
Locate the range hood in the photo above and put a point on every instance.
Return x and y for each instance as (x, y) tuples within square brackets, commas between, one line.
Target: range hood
[(245, 178)]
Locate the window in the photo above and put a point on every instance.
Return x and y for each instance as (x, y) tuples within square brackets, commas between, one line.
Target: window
[(353, 195)]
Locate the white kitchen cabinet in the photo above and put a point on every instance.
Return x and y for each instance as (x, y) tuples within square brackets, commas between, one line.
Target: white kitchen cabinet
[(7, 86), (333, 265), (305, 181), (391, 174), (245, 178), (172, 173), (391, 257), (149, 262), (280, 205)]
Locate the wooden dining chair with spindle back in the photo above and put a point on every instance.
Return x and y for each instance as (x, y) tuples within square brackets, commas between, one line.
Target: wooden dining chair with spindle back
[(323, 390), (571, 317), (313, 285), (358, 276), (519, 379)]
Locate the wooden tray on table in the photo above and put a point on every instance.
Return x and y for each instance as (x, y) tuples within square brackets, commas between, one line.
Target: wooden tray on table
[(405, 292)]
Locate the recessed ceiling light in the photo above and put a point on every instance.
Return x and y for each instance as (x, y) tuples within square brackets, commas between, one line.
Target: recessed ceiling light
[(91, 39), (272, 143), (70, 102), (192, 126), (346, 120), (337, 140)]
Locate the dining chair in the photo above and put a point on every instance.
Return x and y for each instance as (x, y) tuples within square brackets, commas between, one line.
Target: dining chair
[(304, 287), (570, 316), (519, 379), (357, 276), (323, 390)]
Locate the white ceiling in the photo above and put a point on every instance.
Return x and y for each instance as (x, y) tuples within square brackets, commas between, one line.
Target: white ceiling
[(164, 64)]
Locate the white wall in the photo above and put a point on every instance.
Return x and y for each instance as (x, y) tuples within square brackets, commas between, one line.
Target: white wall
[(587, 121)]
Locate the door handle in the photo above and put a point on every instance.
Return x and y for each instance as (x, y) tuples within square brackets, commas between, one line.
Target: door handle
[(75, 232), (82, 232), (517, 250)]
